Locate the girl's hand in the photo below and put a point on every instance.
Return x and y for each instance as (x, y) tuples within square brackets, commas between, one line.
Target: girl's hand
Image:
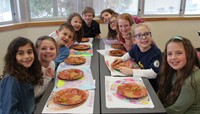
[(50, 73), (126, 71), (116, 61)]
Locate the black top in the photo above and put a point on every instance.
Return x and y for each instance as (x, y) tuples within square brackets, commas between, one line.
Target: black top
[(92, 31)]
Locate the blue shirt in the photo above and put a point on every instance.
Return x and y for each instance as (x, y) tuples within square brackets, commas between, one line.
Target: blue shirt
[(16, 97), (147, 60), (63, 53)]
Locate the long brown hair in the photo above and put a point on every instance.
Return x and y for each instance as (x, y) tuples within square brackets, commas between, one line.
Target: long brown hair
[(31, 75), (112, 34), (79, 34), (167, 92)]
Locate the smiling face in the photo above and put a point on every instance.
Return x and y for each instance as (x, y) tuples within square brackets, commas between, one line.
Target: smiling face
[(176, 55), (106, 17), (25, 56), (47, 51), (113, 23), (143, 43), (124, 26), (76, 22), (65, 36), (87, 17)]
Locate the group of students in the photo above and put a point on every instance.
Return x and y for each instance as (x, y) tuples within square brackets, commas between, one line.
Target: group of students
[(175, 74)]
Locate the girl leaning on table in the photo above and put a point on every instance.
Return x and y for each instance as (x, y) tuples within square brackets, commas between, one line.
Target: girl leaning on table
[(46, 47), (179, 89), (145, 53), (65, 37), (22, 71)]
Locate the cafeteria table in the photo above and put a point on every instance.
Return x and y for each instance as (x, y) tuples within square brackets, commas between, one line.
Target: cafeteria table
[(99, 71)]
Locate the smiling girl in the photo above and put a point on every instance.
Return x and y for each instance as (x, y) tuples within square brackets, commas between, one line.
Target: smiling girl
[(179, 89), (47, 51), (22, 71)]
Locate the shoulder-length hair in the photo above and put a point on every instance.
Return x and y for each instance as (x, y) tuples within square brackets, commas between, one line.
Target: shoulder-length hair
[(124, 16), (79, 34), (167, 92), (112, 34), (31, 75)]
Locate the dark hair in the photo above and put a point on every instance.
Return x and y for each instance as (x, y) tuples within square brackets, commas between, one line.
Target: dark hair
[(167, 92), (112, 33), (31, 75), (68, 26), (111, 11), (89, 10), (79, 34), (42, 38)]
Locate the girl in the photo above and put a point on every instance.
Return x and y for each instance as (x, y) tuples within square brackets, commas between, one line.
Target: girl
[(75, 20), (106, 15), (124, 29), (47, 50), (22, 71), (65, 38), (145, 54), (179, 89), (112, 32)]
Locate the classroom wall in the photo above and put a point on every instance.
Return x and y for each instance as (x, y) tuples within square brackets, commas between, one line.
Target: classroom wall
[(161, 31)]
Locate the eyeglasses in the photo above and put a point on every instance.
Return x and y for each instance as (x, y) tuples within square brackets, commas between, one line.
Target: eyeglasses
[(140, 36)]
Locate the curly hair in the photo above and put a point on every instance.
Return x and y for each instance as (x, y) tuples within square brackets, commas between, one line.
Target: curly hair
[(31, 75), (167, 92)]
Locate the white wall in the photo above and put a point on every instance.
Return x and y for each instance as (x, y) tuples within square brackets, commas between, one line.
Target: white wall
[(161, 31)]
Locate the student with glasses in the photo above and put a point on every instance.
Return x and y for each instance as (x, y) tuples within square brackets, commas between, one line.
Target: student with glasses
[(145, 53)]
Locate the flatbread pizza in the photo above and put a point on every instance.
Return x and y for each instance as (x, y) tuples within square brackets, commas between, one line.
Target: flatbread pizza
[(117, 52), (85, 39), (128, 64), (132, 90), (81, 46), (70, 96), (75, 60), (117, 46), (70, 74)]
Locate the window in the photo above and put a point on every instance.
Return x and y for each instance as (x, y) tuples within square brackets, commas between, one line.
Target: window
[(162, 7), (5, 11), (62, 8), (130, 6), (192, 7)]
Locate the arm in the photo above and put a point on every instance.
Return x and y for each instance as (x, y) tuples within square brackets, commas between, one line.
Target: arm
[(63, 54), (148, 73), (39, 89), (186, 99)]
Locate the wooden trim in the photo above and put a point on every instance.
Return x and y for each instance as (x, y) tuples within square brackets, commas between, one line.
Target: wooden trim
[(57, 23)]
